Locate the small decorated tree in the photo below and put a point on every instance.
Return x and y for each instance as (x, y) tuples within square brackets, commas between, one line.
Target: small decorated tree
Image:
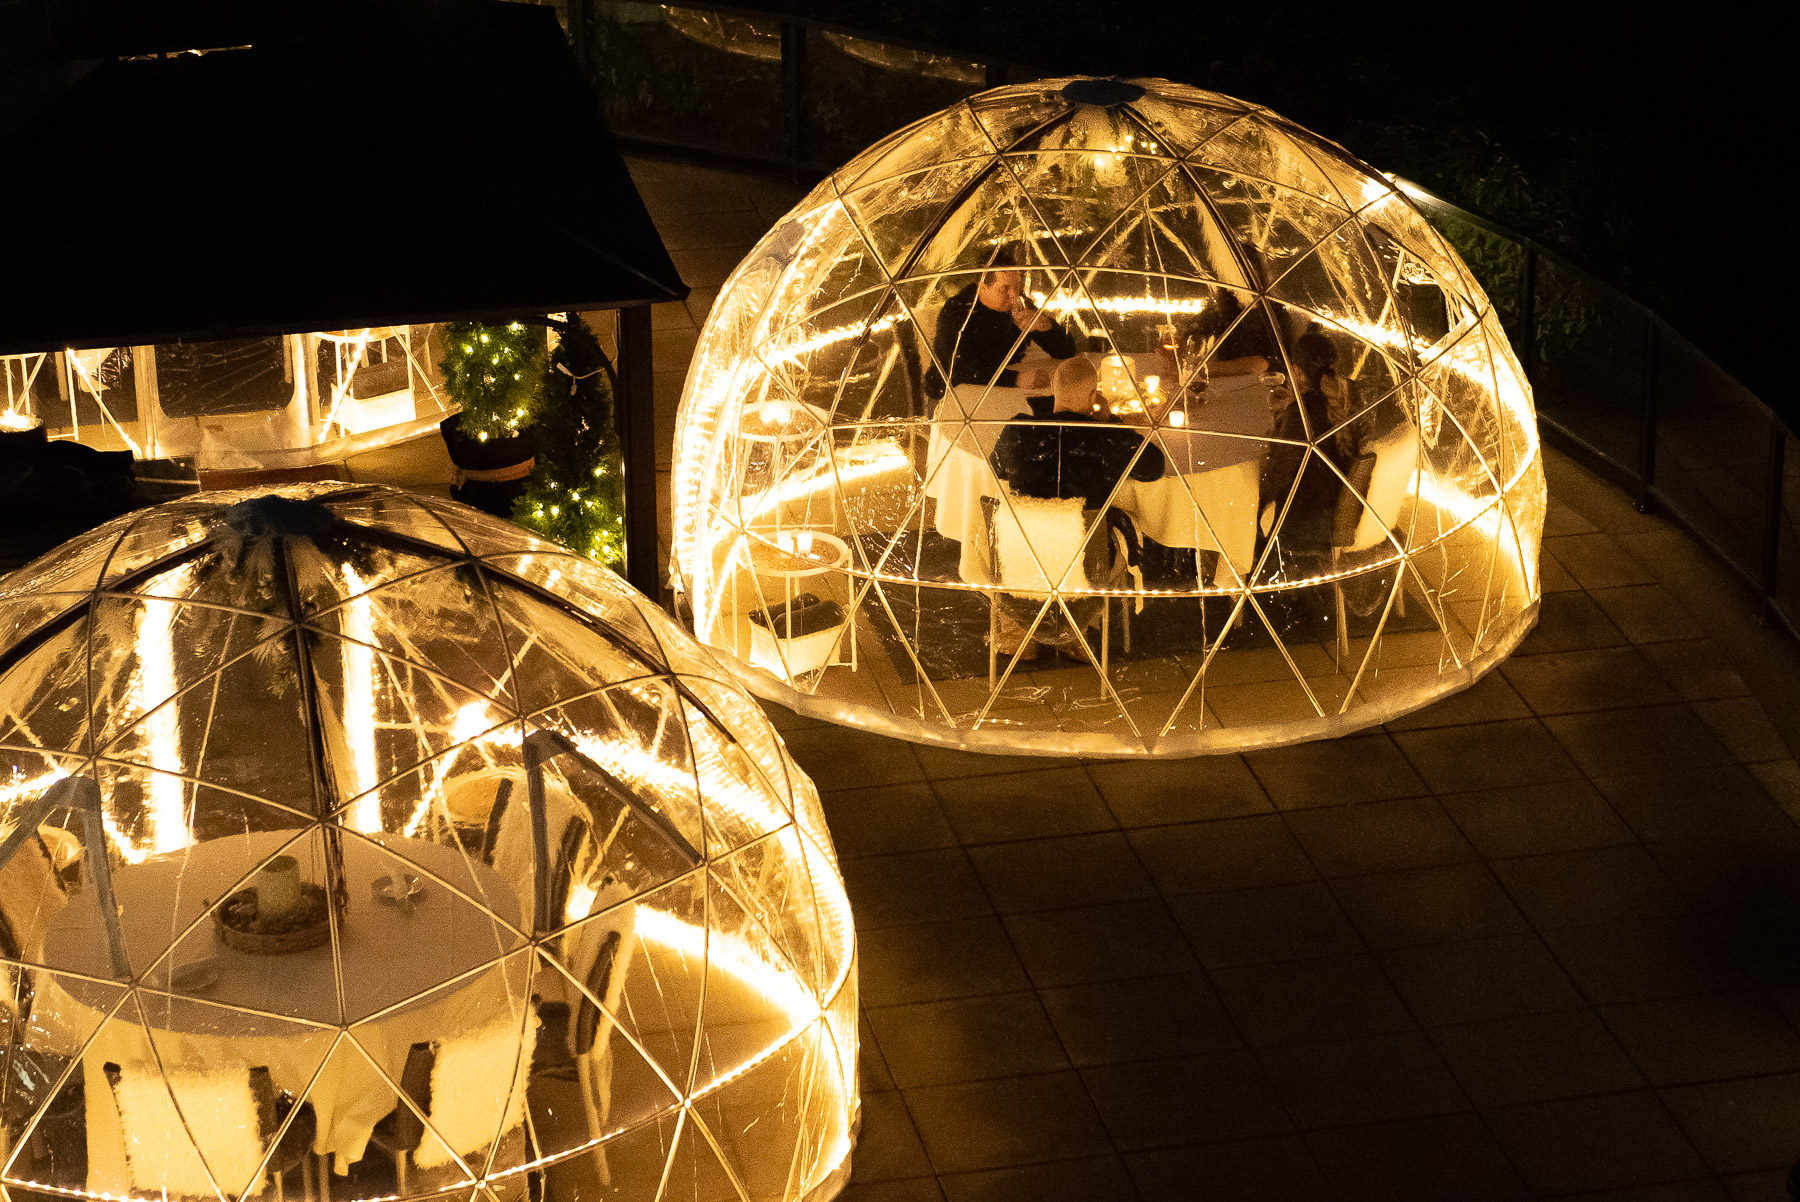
[(576, 493), (496, 374)]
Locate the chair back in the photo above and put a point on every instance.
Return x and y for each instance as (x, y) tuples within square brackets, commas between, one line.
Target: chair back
[(477, 1088), (178, 1125), (1039, 543), (599, 981), (31, 895), (415, 1083), (1390, 485)]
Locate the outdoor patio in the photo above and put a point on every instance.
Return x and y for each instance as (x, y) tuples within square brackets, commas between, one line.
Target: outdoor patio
[(1539, 940)]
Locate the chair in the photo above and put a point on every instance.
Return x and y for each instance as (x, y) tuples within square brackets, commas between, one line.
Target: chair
[(1037, 545), (55, 1152), (1381, 481), (401, 1132), (590, 1071), (31, 894), (179, 1125)]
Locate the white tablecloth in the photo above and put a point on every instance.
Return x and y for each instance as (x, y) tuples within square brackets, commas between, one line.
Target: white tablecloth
[(387, 957), (1220, 453)]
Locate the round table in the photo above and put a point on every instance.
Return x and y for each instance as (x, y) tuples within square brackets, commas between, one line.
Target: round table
[(1220, 455), (247, 1016)]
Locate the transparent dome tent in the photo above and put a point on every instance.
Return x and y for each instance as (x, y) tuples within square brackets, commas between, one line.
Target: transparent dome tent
[(353, 832), (1106, 417), (279, 401)]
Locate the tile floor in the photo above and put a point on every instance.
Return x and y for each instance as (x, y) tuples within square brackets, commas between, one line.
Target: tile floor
[(1539, 940)]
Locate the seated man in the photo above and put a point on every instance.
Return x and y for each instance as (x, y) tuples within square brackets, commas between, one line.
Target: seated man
[(1083, 454), (980, 327)]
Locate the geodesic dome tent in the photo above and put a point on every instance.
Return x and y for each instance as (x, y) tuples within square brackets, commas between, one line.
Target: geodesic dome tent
[(1293, 487), (349, 828)]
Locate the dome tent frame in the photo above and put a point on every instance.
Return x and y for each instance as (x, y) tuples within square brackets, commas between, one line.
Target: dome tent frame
[(912, 216), (706, 849)]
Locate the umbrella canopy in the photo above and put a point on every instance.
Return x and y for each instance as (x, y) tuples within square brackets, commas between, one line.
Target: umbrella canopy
[(315, 168)]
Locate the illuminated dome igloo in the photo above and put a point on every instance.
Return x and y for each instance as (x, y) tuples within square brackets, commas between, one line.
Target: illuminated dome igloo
[(1112, 418), (536, 892)]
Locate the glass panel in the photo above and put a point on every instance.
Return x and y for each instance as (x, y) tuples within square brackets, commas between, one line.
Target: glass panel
[(858, 89)]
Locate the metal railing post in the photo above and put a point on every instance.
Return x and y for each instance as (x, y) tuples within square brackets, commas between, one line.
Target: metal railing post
[(1528, 314), (1774, 483), (1647, 433), (793, 90), (634, 415)]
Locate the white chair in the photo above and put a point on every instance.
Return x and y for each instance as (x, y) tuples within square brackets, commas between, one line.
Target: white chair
[(477, 1090), (1038, 546), (1383, 479), (217, 1120)]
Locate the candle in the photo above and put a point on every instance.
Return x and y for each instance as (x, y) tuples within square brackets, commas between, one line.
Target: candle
[(277, 888)]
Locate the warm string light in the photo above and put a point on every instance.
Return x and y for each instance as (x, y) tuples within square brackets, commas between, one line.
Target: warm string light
[(360, 685)]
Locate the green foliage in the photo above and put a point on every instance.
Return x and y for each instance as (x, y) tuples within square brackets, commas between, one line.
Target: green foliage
[(576, 493), (496, 373)]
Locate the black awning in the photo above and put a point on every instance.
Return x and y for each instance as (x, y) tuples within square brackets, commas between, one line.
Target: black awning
[(376, 163)]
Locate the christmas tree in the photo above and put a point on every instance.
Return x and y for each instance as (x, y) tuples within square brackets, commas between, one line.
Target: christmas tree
[(496, 373), (576, 493)]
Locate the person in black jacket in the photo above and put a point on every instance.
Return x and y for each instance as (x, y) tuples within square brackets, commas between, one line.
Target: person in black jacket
[(979, 330), (1079, 453)]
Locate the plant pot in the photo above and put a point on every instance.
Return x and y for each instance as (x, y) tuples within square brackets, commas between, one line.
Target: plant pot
[(490, 473)]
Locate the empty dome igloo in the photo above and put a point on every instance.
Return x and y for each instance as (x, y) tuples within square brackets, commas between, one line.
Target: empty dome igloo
[(1288, 391), (536, 892)]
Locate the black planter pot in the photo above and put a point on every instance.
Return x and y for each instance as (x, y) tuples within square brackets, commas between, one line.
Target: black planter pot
[(490, 473)]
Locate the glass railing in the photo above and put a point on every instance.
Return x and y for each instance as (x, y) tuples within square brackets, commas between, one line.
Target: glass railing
[(1615, 386)]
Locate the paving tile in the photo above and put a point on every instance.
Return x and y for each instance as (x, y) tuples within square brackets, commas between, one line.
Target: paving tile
[(936, 960), (1140, 1018), (1489, 699), (1740, 1126), (1706, 1190), (1721, 802), (1098, 943), (1606, 1142), (1647, 613), (1628, 742), (888, 818), (1259, 926), (1366, 1080), (1301, 1000), (1533, 819), (1481, 978), (1490, 755), (995, 1124), (1675, 1041), (1335, 772), (1597, 562), (913, 1189), (1428, 905), (1744, 727), (1758, 1187), (1417, 1160), (1570, 621), (1159, 792), (888, 1147), (837, 758), (1100, 1179), (967, 1039), (1560, 519), (1602, 884), (1379, 836), (1024, 805), (1043, 874), (1193, 1099), (1535, 1057), (914, 886), (1781, 780), (1764, 942), (1734, 873), (1600, 678), (1643, 961), (870, 1062), (1697, 669), (1278, 1169), (1234, 853)]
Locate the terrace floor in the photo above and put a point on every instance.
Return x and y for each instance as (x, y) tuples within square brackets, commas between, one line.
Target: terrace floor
[(1539, 940)]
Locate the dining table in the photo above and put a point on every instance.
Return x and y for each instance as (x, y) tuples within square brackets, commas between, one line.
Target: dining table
[(401, 972), (1206, 498)]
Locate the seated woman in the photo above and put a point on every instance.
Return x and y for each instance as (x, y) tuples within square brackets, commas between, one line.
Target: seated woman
[(1084, 454)]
